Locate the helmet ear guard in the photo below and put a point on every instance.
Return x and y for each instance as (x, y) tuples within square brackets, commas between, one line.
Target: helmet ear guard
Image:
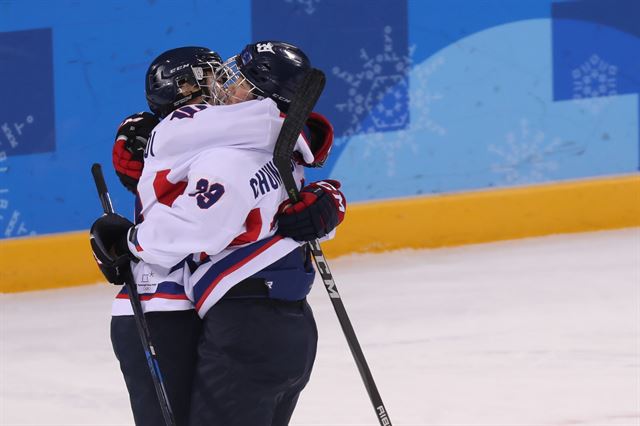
[(204, 73)]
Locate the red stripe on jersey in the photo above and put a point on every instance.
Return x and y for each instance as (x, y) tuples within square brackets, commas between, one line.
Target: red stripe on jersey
[(167, 192), (253, 224), (145, 297), (235, 267), (133, 238)]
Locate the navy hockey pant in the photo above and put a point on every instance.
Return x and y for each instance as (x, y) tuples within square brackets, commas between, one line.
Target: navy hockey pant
[(254, 358), (175, 336)]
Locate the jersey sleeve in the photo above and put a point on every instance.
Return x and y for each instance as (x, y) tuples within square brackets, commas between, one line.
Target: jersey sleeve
[(205, 218)]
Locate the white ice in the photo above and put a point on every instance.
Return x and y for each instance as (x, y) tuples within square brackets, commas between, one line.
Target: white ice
[(543, 331)]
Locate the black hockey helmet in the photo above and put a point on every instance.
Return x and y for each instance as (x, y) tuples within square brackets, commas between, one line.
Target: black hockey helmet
[(273, 68), (170, 71)]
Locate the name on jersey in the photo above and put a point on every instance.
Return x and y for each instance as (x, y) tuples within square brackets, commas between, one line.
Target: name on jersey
[(265, 179)]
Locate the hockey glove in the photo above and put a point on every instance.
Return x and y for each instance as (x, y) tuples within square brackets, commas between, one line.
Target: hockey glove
[(128, 149), (108, 237), (318, 132), (321, 208)]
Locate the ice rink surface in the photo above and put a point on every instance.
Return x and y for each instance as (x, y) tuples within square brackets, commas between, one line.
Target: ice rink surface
[(542, 331)]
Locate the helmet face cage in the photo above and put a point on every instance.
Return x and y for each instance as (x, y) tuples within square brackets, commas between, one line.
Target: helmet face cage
[(204, 74), (230, 86)]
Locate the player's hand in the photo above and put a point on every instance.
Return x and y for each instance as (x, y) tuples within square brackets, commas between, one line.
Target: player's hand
[(319, 133), (321, 208), (108, 237), (128, 149)]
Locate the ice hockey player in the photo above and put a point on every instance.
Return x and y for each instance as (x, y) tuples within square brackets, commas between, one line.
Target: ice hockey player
[(176, 78), (312, 218)]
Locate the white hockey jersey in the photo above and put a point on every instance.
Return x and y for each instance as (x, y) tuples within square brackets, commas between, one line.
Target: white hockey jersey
[(209, 187)]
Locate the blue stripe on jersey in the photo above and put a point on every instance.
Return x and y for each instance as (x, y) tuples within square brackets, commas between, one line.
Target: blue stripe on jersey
[(187, 261), (225, 264)]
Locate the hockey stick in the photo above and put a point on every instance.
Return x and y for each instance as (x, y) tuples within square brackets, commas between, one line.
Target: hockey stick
[(301, 106), (141, 322)]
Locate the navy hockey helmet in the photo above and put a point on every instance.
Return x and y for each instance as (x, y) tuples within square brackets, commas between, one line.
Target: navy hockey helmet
[(270, 69), (179, 75)]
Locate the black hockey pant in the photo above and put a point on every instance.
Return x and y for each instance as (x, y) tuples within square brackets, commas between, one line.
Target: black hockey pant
[(175, 336), (254, 358)]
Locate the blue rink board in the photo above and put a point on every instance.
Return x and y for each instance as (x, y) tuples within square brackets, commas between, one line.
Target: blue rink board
[(425, 96)]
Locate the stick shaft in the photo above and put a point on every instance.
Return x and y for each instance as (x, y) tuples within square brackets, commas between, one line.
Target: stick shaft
[(301, 106), (136, 306)]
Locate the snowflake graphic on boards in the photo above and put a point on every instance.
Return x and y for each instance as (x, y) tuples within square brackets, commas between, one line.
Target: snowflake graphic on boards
[(389, 144), (309, 6), (389, 108), (4, 202), (593, 82), (529, 155), (379, 90), (422, 98), (10, 220)]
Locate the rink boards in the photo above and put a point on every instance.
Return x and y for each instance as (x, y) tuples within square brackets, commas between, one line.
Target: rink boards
[(63, 260)]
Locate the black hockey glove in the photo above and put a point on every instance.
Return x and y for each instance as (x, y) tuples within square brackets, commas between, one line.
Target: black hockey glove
[(128, 149), (321, 208), (108, 237)]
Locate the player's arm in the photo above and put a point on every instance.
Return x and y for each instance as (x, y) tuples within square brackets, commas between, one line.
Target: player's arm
[(114, 239), (205, 218)]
